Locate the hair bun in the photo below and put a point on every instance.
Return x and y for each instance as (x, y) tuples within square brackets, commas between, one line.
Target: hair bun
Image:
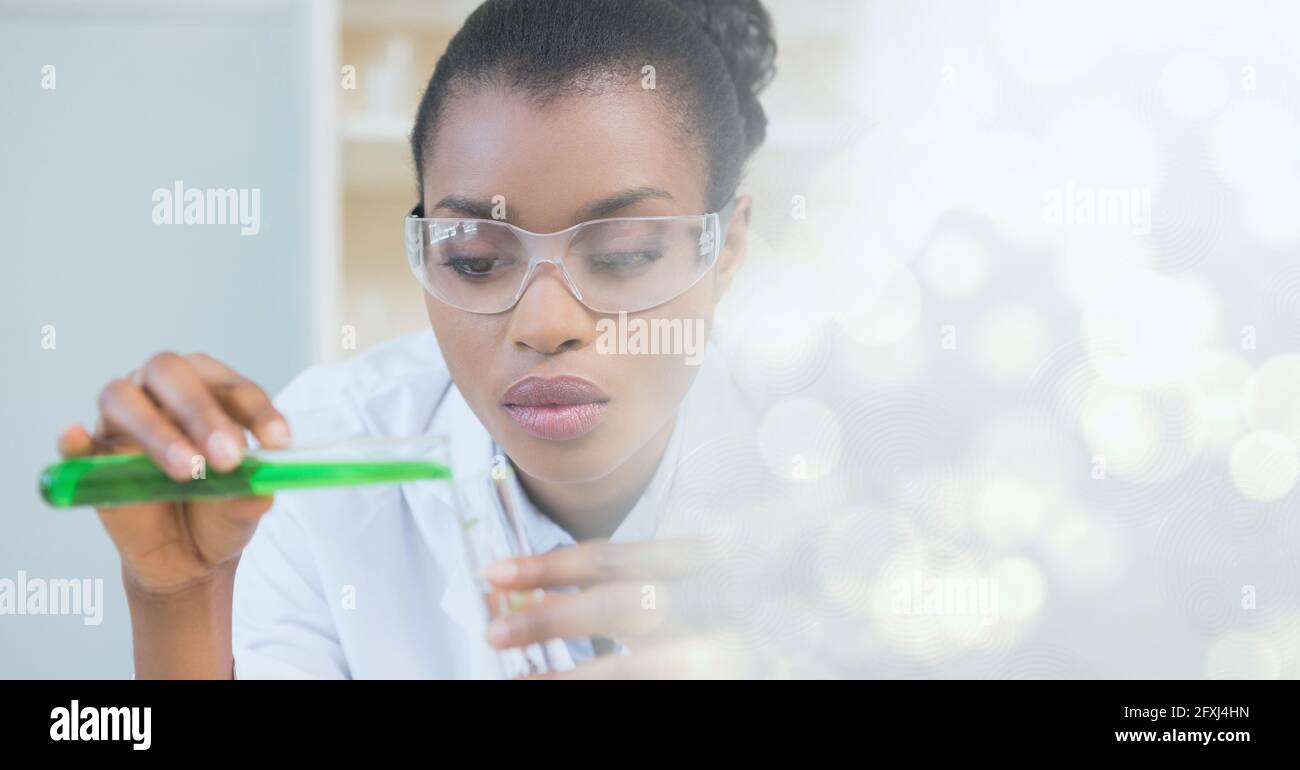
[(742, 31)]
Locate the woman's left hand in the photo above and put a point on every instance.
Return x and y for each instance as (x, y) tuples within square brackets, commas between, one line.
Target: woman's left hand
[(646, 595)]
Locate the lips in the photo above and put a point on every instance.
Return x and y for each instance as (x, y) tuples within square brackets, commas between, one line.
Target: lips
[(557, 408)]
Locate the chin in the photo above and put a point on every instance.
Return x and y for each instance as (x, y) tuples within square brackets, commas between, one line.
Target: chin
[(576, 461)]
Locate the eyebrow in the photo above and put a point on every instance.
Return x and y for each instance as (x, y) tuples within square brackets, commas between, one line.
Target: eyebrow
[(476, 208), (621, 200), (479, 208)]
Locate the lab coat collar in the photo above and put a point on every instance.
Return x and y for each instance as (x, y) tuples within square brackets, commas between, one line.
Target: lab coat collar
[(544, 534), (698, 419)]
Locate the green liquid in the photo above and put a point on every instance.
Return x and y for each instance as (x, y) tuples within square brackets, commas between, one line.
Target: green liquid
[(105, 480)]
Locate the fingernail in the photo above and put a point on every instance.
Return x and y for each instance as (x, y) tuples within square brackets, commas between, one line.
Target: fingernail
[(179, 457), (223, 449), (277, 433), (519, 600), (502, 571), (498, 632)]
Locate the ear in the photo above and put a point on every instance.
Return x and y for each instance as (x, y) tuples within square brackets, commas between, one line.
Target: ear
[(735, 247)]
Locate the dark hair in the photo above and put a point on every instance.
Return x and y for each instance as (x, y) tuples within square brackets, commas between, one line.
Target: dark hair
[(711, 59)]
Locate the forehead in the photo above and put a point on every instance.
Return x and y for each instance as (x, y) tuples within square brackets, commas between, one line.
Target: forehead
[(551, 160)]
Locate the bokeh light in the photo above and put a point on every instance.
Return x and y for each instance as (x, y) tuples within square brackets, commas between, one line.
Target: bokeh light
[(1010, 511), (1086, 552), (955, 264), (1147, 330), (1021, 587), (1273, 396), (1193, 86), (1264, 465), (1009, 343), (800, 440), (1242, 655)]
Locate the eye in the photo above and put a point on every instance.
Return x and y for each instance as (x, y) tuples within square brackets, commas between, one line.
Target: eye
[(623, 261), (478, 267)]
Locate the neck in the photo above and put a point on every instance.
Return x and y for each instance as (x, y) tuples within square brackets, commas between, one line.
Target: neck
[(594, 509)]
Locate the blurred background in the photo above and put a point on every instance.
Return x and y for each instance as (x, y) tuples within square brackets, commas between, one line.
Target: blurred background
[(1023, 298)]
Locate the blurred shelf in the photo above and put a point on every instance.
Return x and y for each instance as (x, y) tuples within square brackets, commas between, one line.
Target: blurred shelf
[(379, 165), (407, 14), (377, 128), (394, 45)]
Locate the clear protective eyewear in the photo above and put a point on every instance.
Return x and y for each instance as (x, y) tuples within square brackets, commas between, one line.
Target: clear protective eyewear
[(623, 264)]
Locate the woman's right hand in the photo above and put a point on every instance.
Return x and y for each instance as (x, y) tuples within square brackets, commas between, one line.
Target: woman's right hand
[(178, 409)]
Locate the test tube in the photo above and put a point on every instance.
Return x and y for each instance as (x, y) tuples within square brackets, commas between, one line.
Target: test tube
[(491, 534), (121, 479)]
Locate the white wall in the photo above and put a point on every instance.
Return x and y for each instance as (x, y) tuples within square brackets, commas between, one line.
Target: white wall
[(146, 93)]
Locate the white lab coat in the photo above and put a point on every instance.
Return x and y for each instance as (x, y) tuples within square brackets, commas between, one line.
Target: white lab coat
[(372, 582)]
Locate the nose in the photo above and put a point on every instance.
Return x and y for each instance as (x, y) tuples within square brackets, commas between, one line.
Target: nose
[(548, 319)]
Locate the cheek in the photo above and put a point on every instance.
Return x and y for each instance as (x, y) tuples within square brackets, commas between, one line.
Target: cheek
[(664, 379), (466, 340), (699, 302)]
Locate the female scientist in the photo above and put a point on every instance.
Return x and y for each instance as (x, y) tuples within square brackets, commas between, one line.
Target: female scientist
[(576, 161)]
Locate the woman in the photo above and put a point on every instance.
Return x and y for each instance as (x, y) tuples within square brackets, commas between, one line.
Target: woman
[(624, 126)]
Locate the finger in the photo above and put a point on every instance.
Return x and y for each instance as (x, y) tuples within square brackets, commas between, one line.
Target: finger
[(174, 383), (598, 561), (75, 441), (243, 400), (502, 602), (617, 610), (249, 405), (125, 408)]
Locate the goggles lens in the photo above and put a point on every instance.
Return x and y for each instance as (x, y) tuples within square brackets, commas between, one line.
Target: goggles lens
[(610, 265)]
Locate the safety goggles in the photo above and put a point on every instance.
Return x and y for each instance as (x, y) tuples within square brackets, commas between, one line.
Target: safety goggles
[(623, 264)]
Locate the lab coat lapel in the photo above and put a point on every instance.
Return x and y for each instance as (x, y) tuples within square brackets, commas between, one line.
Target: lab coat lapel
[(442, 409), (433, 507)]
